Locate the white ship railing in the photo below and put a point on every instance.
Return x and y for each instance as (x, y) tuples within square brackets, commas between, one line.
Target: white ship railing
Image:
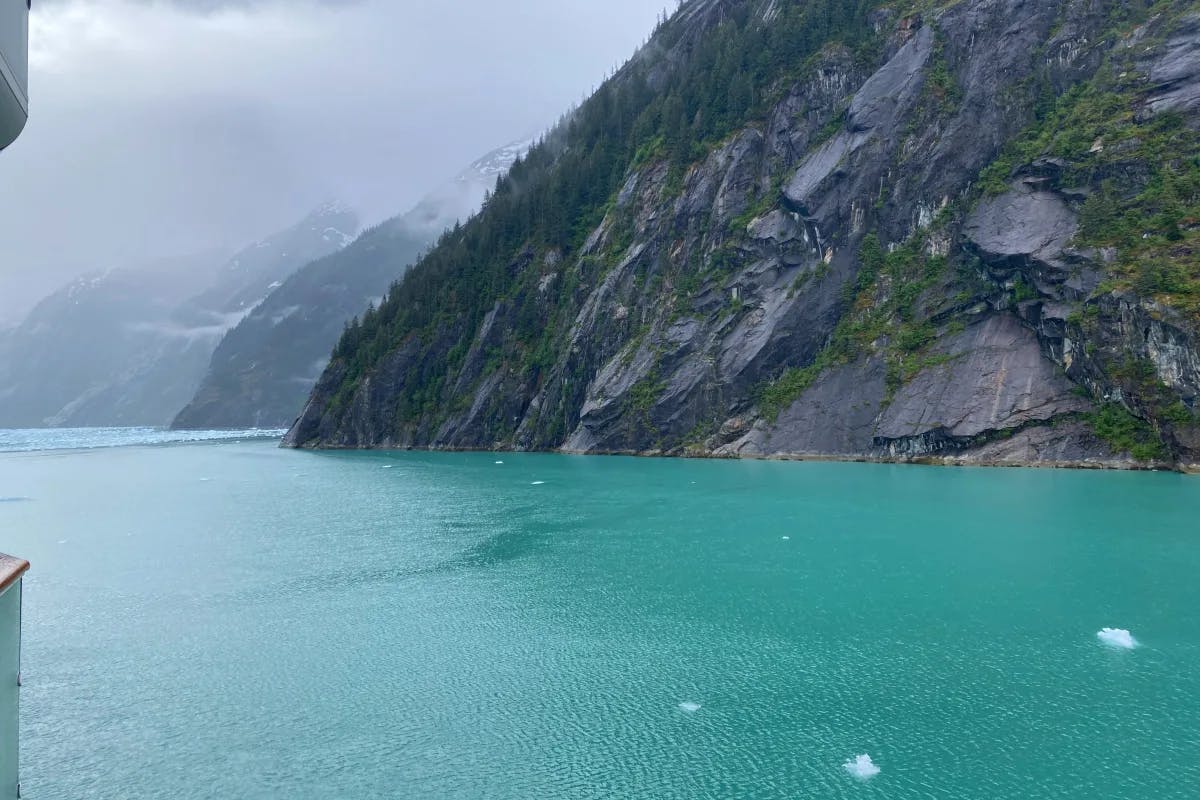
[(14, 69), (12, 572)]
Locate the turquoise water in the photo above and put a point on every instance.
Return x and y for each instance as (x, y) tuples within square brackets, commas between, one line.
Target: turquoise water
[(236, 621)]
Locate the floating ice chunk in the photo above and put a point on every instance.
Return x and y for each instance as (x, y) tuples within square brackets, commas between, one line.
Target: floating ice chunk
[(538, 483), (862, 767), (689, 706), (1116, 637)]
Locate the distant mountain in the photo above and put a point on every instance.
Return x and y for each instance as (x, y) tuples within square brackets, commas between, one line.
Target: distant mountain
[(129, 347), (266, 366)]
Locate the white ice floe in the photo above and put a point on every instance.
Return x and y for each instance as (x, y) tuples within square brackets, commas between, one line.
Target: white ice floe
[(1116, 637), (862, 767), (539, 483), (689, 706)]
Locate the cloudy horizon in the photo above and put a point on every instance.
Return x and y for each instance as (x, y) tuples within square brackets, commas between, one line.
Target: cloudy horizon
[(160, 129)]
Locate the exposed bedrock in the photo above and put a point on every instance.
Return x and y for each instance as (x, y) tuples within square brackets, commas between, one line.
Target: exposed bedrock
[(1174, 71), (996, 379), (703, 287), (993, 385)]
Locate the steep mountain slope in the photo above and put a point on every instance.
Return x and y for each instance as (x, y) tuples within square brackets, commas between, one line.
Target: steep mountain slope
[(962, 232), (458, 199), (264, 368), (129, 347)]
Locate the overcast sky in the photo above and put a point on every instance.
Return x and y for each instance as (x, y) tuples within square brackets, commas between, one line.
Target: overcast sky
[(164, 128)]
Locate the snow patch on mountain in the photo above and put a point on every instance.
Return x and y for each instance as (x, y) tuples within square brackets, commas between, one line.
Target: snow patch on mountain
[(461, 197), (337, 238)]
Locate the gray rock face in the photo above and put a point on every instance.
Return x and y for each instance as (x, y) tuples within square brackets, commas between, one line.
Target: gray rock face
[(820, 165), (874, 111), (1143, 332), (837, 416), (1175, 72), (681, 318), (988, 400), (1026, 234), (1022, 227), (780, 228), (996, 379), (1174, 352), (891, 91), (1068, 444)]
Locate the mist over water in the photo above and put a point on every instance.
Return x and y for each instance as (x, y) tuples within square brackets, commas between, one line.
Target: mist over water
[(310, 625)]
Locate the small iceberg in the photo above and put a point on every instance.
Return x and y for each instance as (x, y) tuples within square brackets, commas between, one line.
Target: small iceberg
[(689, 707), (862, 767), (1117, 637)]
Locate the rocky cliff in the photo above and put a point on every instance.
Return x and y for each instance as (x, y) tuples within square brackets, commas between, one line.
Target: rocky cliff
[(964, 232)]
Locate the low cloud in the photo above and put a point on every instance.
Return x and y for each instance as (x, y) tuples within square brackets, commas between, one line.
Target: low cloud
[(163, 128)]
